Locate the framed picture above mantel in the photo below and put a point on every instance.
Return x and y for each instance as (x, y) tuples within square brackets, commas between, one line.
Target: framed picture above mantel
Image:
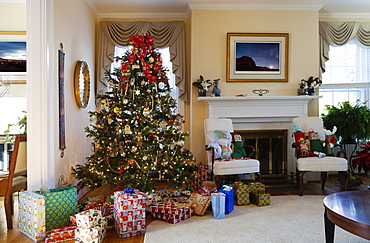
[(257, 57)]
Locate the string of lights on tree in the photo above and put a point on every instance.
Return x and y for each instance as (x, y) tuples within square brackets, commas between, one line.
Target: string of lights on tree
[(137, 136)]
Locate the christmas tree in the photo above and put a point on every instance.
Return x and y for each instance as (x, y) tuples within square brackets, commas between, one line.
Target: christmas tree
[(137, 137)]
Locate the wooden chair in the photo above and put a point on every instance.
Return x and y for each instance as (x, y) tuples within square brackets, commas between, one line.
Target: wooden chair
[(17, 179), (316, 164), (220, 168)]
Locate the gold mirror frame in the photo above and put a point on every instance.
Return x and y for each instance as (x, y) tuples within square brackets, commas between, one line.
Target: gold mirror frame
[(82, 84)]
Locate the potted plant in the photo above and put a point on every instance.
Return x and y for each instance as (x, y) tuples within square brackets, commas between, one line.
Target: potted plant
[(20, 127), (202, 85), (352, 121)]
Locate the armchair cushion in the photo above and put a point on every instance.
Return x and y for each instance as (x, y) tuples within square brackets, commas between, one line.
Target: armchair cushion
[(328, 163)]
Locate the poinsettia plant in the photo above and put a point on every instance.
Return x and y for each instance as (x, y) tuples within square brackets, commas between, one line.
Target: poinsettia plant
[(362, 158)]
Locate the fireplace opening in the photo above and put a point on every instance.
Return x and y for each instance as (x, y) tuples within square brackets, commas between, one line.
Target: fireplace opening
[(271, 149)]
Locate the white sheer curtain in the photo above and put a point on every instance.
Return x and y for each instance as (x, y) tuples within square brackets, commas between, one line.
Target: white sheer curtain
[(117, 33)]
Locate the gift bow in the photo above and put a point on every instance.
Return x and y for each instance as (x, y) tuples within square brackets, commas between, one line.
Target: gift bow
[(129, 190)]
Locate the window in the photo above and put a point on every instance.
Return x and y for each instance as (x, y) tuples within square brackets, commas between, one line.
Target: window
[(165, 54), (347, 76)]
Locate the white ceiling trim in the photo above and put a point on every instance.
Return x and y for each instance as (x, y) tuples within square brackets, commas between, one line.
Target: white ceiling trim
[(254, 7), (143, 15), (345, 15), (92, 7)]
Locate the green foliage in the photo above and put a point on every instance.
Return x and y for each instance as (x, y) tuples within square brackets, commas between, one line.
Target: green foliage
[(137, 132), (352, 120), (20, 127)]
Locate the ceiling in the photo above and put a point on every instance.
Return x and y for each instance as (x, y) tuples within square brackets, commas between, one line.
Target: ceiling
[(181, 8)]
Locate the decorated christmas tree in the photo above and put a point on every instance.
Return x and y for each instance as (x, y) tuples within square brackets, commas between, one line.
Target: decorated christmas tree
[(137, 137)]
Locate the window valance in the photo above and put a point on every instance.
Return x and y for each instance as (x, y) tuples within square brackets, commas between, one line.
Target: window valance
[(339, 33), (117, 33)]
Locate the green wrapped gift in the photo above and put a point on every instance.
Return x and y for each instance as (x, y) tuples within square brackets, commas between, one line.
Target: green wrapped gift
[(241, 193), (256, 187), (260, 200)]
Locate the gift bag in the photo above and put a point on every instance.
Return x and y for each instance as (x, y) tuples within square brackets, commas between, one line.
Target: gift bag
[(60, 204), (229, 200), (32, 215), (218, 205)]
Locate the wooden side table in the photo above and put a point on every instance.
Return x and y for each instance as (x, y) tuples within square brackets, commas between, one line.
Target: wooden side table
[(349, 210)]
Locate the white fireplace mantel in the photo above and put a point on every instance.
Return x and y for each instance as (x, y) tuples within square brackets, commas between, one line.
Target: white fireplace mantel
[(257, 107)]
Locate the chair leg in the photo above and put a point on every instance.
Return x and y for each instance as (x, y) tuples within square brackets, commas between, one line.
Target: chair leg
[(218, 180), (8, 210), (347, 180), (300, 178), (324, 175), (258, 176)]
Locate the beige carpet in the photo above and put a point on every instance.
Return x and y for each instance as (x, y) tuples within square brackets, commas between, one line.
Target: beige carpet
[(288, 219)]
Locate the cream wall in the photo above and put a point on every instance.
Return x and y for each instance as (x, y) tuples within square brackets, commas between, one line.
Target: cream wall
[(12, 16), (75, 28), (208, 55)]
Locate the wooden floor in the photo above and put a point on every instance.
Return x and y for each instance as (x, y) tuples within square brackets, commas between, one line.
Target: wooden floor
[(311, 188)]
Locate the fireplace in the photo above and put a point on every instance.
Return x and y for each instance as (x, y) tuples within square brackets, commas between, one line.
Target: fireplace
[(262, 114), (271, 148)]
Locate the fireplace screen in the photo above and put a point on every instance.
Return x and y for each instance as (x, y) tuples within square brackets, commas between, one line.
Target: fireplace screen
[(271, 149)]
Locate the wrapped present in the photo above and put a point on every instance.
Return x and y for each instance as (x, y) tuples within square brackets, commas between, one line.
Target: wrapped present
[(229, 200), (187, 191), (241, 193), (256, 187), (61, 234), (204, 174), (171, 212), (153, 198), (129, 212), (88, 218), (60, 204), (32, 215), (209, 187), (260, 199), (103, 208), (181, 199), (94, 234), (200, 203)]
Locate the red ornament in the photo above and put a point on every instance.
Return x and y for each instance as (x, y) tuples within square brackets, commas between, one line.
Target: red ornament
[(121, 170)]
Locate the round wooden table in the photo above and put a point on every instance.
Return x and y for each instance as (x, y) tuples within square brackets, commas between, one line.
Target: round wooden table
[(349, 210)]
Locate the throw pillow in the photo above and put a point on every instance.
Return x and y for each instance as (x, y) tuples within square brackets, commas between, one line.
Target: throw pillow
[(221, 142), (315, 142)]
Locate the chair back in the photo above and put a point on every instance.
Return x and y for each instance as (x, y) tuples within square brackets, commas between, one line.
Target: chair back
[(314, 123), (211, 124)]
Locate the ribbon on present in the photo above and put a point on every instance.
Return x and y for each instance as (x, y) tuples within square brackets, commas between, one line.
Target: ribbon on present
[(129, 190)]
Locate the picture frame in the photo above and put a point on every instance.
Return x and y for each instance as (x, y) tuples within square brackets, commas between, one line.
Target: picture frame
[(13, 68), (257, 57)]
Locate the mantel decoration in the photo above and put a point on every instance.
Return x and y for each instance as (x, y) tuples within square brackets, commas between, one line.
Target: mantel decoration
[(257, 57), (260, 92), (202, 85), (308, 87)]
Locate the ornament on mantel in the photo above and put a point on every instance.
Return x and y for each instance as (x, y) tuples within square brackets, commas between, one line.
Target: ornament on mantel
[(308, 87)]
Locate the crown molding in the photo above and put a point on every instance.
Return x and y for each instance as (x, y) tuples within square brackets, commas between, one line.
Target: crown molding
[(344, 15), (254, 7), (92, 7), (12, 1), (143, 15)]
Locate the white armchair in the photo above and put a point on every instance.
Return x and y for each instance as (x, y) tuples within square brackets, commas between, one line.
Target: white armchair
[(222, 167), (314, 163)]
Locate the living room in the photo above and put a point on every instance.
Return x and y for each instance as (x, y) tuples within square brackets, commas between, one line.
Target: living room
[(49, 23)]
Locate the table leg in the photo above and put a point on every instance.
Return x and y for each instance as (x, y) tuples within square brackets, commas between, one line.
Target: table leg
[(329, 229)]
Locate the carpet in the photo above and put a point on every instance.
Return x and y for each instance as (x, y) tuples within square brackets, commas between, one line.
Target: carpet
[(288, 219)]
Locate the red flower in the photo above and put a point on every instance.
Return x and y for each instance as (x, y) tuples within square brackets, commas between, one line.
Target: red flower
[(362, 158)]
